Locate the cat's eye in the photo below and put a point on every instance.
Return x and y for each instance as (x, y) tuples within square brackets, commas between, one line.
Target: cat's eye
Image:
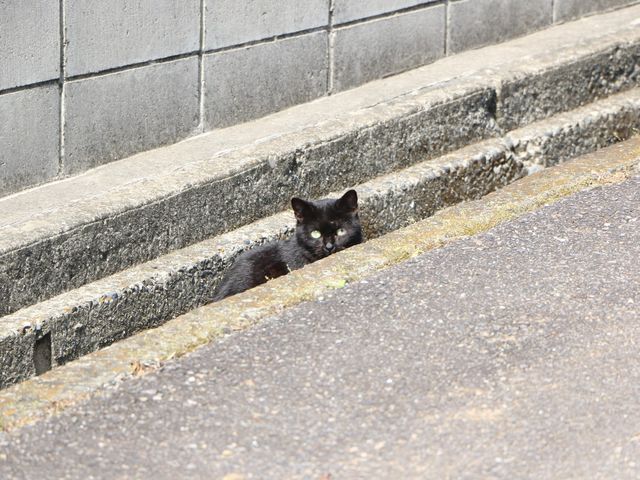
[(316, 234), (341, 231)]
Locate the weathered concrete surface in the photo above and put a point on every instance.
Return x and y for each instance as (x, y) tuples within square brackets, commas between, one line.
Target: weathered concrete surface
[(147, 295), (351, 10), (474, 23), (564, 10), (254, 183), (565, 82), (61, 387), (102, 35), (168, 194), (29, 43), (229, 22), (248, 83), (382, 47), (119, 114), (601, 123), (511, 354), (28, 117)]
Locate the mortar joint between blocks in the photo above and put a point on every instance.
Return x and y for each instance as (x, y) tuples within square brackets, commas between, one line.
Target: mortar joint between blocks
[(63, 47), (201, 80), (330, 41)]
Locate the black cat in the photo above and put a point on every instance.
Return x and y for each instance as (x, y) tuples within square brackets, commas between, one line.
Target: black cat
[(323, 227)]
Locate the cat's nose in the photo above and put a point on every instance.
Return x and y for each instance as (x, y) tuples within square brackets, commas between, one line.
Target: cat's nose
[(329, 247)]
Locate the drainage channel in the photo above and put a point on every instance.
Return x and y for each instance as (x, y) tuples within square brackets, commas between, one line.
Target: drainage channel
[(63, 235), (56, 331)]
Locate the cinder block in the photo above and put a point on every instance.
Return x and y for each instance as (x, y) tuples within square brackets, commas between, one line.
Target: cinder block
[(106, 34), (349, 10), (474, 23), (29, 137), (382, 47), (251, 82), (116, 115), (29, 42), (233, 22), (564, 10)]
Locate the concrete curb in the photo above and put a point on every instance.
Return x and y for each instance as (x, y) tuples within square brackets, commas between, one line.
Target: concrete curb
[(145, 296), (36, 398), (95, 315), (153, 206)]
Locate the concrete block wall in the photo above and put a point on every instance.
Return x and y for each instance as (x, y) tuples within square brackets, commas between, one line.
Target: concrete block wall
[(86, 82)]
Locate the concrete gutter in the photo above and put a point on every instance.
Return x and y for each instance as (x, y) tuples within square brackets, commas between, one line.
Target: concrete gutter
[(63, 235), (95, 315), (55, 390)]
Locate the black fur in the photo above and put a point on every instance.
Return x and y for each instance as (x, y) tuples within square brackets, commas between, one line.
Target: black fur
[(327, 216)]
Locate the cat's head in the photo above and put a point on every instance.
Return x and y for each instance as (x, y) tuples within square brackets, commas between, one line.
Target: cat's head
[(329, 225)]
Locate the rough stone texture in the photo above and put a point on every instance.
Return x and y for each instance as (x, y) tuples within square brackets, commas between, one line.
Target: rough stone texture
[(386, 46), (102, 35), (510, 354), (474, 23), (29, 42), (251, 82), (350, 10), (16, 355), (112, 116), (524, 98), (229, 22), (399, 199), (146, 296), (29, 137), (601, 124), (564, 10)]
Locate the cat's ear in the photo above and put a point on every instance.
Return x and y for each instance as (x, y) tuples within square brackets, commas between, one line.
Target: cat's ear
[(301, 208), (348, 202)]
